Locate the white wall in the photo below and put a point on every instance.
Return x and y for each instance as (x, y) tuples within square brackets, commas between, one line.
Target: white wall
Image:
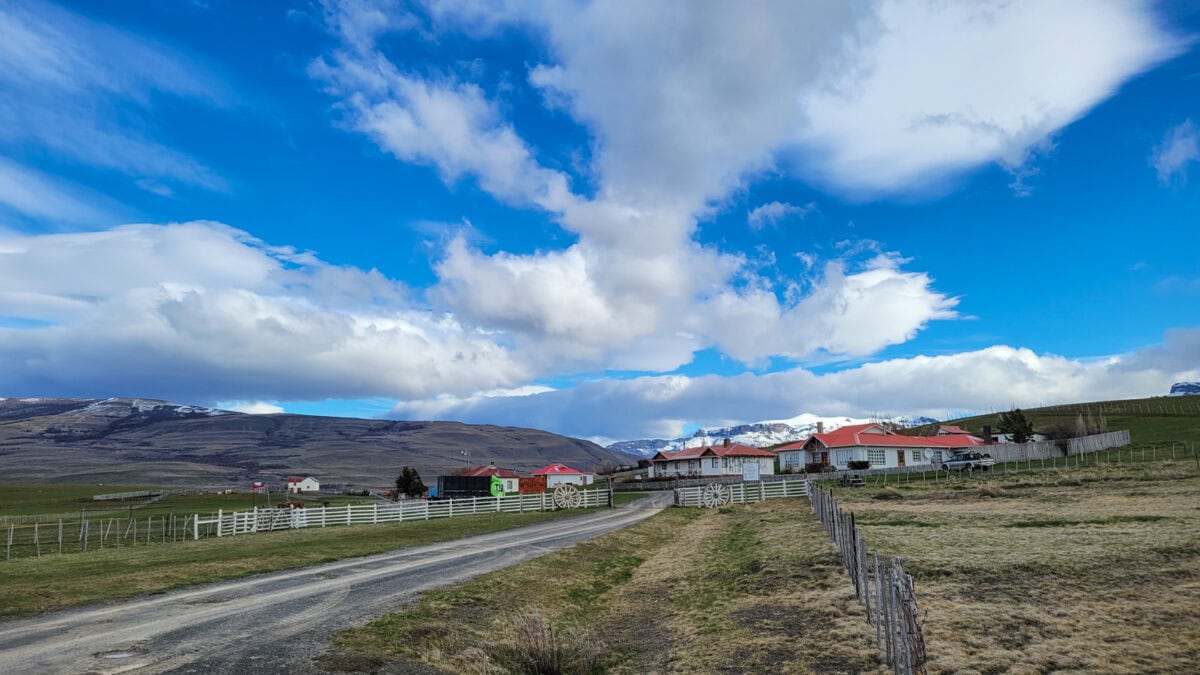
[(703, 467), (553, 481)]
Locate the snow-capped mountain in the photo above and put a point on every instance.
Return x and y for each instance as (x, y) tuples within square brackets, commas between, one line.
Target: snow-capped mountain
[(1185, 389), (756, 434)]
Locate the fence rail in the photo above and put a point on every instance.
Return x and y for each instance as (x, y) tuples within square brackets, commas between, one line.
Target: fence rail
[(745, 493), (673, 483), (267, 520), (884, 589)]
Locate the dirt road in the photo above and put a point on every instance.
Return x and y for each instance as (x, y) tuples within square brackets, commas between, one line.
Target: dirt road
[(276, 622)]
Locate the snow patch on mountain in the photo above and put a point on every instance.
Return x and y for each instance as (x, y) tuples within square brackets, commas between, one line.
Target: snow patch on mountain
[(1185, 389), (757, 434)]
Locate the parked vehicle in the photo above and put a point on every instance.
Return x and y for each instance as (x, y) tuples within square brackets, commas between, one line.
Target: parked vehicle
[(968, 461)]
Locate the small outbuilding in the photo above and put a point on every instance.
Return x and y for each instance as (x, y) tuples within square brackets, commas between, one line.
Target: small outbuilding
[(307, 484), (509, 478), (561, 474)]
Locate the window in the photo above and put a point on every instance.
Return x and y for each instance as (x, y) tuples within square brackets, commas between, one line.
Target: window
[(937, 457), (843, 457), (916, 456), (791, 459), (714, 462), (876, 456)]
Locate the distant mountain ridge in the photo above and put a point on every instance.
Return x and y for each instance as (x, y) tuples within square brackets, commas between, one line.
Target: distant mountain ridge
[(756, 434), (154, 442), (1185, 389)]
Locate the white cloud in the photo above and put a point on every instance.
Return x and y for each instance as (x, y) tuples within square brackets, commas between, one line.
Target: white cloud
[(773, 212), (251, 407), (936, 88), (35, 195), (84, 92), (937, 386), (200, 311), (1179, 148)]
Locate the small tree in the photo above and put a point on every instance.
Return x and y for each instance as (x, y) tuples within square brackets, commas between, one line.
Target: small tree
[(409, 482), (1015, 424)]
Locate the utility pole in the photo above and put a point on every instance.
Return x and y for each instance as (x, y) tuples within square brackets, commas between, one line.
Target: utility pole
[(467, 454)]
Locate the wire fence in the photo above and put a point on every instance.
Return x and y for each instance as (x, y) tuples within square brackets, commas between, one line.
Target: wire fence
[(884, 589), (37, 539)]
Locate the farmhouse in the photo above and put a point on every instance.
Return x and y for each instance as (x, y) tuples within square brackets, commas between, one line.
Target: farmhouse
[(726, 459), (510, 478), (560, 474), (308, 484), (873, 443)]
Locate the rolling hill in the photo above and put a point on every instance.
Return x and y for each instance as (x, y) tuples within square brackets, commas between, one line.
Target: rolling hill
[(144, 441)]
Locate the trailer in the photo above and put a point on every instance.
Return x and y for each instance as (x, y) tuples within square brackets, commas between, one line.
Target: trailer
[(454, 487)]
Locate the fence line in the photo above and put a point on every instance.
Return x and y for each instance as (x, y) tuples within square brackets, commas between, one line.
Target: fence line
[(741, 493), (63, 536), (267, 520), (885, 590), (673, 483)]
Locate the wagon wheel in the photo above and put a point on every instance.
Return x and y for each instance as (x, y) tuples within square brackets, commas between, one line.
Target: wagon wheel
[(567, 497), (714, 495)]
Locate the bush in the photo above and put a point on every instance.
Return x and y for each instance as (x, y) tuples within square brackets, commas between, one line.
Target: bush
[(538, 647), (888, 493), (991, 491), (858, 464), (814, 467)]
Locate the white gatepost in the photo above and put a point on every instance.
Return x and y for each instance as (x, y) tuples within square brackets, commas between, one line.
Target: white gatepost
[(220, 519)]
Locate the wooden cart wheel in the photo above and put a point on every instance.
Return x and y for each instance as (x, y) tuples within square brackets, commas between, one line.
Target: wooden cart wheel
[(714, 495), (567, 496)]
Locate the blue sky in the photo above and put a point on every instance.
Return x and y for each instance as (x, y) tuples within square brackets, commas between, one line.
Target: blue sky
[(601, 219)]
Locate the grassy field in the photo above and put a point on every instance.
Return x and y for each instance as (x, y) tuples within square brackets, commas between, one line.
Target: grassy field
[(67, 499), (54, 582), (1093, 569), (1149, 420), (743, 589)]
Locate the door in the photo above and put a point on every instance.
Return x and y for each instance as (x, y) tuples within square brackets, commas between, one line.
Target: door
[(900, 457)]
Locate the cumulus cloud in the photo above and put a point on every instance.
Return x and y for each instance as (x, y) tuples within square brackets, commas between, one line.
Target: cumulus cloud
[(83, 91), (773, 212), (1179, 148), (201, 311), (251, 407), (996, 377)]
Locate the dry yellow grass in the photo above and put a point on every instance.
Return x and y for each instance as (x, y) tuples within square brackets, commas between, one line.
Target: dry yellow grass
[(1096, 570), (743, 589)]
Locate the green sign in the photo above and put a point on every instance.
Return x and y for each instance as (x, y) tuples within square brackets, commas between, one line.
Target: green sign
[(497, 486)]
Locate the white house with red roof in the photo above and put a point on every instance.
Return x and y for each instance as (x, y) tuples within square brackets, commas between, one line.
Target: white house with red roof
[(561, 474), (873, 443), (726, 459), (510, 478), (296, 484)]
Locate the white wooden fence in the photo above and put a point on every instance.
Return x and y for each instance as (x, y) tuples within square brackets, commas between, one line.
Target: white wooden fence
[(745, 493), (265, 520)]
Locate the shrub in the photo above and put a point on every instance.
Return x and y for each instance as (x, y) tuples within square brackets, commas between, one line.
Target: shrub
[(991, 491), (814, 467), (888, 493), (538, 647), (858, 464)]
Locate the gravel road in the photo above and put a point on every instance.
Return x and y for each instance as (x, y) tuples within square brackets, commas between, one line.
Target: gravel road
[(278, 622)]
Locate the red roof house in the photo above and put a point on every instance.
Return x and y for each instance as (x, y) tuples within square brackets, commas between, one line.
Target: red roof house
[(725, 459), (560, 474), (874, 443)]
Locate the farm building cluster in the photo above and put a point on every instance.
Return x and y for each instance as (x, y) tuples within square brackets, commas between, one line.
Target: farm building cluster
[(495, 481), (876, 444)]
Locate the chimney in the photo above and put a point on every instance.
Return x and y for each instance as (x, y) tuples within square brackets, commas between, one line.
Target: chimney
[(726, 443), (820, 427), (987, 433)]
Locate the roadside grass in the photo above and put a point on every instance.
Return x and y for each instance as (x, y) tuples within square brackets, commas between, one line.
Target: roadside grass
[(1092, 569), (745, 589), (57, 581)]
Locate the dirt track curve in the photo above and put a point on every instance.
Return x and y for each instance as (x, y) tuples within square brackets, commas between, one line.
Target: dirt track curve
[(276, 622)]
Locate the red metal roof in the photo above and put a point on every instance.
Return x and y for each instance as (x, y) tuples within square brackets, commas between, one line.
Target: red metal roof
[(951, 429), (293, 479), (491, 471), (557, 470), (873, 434), (733, 450)]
